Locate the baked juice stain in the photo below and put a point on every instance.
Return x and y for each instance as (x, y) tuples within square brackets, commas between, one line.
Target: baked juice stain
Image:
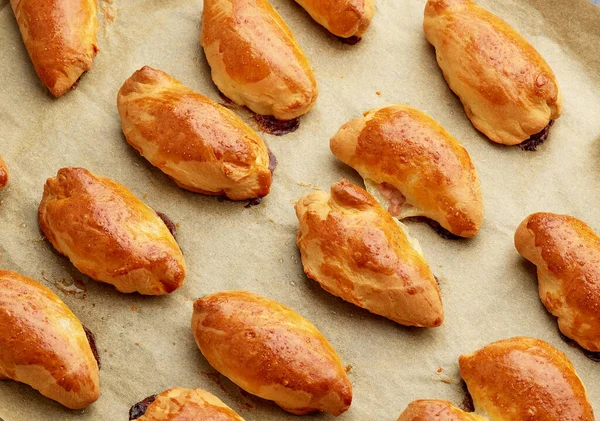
[(467, 403), (92, 341), (353, 40), (269, 124), (594, 356), (537, 139), (72, 287), (169, 223), (140, 408)]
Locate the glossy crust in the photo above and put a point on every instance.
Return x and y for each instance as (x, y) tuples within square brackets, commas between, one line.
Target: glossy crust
[(3, 174), (180, 404), (60, 37), (203, 146), (436, 410), (43, 344), (255, 60), (356, 251), (410, 152), (109, 234), (509, 92), (271, 351), (524, 379), (566, 252), (343, 18)]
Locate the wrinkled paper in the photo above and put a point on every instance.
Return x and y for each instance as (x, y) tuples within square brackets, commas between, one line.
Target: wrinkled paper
[(145, 343)]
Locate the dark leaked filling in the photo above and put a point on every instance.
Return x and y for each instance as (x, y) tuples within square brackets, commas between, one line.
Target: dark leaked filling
[(353, 40), (253, 202), (467, 403), (92, 341), (269, 124), (537, 139), (594, 356), (140, 408), (272, 161), (169, 223)]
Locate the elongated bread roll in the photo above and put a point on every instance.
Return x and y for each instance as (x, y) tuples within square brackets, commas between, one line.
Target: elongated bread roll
[(356, 251), (271, 351), (43, 344), (3, 174), (509, 92), (203, 146), (413, 167), (436, 410), (524, 379), (180, 404), (566, 252), (343, 18), (109, 234), (60, 37), (255, 59)]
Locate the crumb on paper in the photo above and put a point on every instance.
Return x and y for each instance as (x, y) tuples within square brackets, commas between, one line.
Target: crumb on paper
[(145, 195), (133, 308), (378, 93), (349, 368), (137, 344), (439, 370)]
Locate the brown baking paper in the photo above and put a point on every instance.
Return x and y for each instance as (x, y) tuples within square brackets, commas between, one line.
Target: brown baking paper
[(145, 343)]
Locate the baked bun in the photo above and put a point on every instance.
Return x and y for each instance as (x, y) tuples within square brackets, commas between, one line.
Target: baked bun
[(109, 234), (524, 379), (436, 410), (60, 37), (203, 146), (566, 252), (357, 251), (413, 167), (343, 18), (3, 174), (180, 404), (271, 351), (43, 344), (255, 60), (509, 92)]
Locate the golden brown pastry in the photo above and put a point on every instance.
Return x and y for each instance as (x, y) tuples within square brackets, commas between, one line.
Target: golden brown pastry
[(343, 18), (271, 351), (413, 167), (180, 404), (566, 252), (203, 146), (43, 344), (509, 92), (3, 174), (524, 379), (255, 59), (109, 234), (60, 37), (436, 410), (357, 251)]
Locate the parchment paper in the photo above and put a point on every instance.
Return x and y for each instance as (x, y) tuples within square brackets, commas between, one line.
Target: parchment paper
[(145, 343)]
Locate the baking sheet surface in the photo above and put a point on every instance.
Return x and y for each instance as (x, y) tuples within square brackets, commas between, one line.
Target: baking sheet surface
[(145, 343)]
